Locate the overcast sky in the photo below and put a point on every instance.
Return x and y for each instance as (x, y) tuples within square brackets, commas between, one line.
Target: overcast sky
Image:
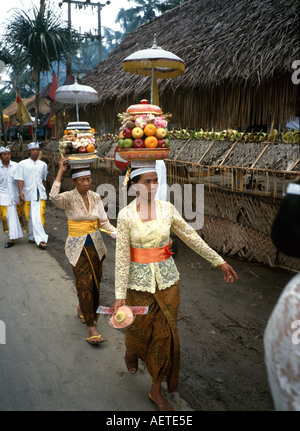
[(85, 19)]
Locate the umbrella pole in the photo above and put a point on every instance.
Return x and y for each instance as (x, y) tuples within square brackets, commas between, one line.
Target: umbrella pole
[(152, 86), (77, 112)]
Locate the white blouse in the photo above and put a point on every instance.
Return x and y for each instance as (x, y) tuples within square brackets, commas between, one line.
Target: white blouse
[(132, 232), (74, 206), (282, 348)]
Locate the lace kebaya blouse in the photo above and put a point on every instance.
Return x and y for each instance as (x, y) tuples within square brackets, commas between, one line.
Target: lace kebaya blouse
[(282, 348), (132, 232), (74, 206)]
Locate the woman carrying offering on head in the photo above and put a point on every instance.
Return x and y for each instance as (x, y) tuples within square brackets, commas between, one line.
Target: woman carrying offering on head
[(146, 275), (85, 248)]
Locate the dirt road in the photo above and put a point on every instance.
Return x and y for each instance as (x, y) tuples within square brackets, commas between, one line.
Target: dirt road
[(220, 326)]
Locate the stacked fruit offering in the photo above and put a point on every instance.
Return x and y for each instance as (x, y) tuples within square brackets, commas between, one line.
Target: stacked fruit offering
[(77, 141), (143, 126)]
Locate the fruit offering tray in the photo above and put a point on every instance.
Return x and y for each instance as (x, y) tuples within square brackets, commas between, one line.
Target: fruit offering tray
[(143, 128), (78, 145), (144, 154)]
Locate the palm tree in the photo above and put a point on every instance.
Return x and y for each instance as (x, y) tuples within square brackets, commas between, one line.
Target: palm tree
[(144, 11), (42, 38)]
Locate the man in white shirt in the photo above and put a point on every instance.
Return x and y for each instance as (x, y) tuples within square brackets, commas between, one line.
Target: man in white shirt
[(9, 197), (31, 174)]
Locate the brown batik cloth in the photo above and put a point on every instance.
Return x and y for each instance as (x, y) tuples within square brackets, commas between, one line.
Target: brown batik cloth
[(154, 337), (88, 289)]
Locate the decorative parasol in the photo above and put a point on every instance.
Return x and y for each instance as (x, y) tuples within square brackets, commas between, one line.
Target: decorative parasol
[(154, 62), (76, 93)]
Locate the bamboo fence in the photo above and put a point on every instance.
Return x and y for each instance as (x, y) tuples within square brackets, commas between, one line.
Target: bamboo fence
[(241, 197)]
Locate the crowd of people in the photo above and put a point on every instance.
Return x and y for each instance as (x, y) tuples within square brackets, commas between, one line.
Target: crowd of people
[(145, 271)]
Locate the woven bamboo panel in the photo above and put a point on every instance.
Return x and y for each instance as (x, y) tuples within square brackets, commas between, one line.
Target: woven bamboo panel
[(232, 239), (244, 154), (296, 167), (288, 262), (104, 148), (280, 157), (246, 210), (216, 153), (175, 147), (192, 151)]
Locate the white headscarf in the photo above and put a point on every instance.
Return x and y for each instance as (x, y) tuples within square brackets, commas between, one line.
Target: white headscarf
[(33, 145), (141, 171), (4, 150)]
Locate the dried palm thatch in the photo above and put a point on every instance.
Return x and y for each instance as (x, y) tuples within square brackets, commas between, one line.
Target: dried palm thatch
[(237, 55), (29, 102)]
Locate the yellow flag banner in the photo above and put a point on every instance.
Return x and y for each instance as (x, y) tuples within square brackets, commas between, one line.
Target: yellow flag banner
[(22, 115)]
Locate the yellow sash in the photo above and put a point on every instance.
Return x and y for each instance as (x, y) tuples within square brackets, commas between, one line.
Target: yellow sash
[(80, 228), (26, 208), (3, 215)]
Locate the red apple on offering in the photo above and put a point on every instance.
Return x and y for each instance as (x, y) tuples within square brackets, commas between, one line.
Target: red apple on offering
[(137, 132), (127, 133), (82, 149), (161, 143), (160, 132), (138, 143)]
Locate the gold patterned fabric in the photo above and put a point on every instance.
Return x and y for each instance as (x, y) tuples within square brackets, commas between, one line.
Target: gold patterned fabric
[(88, 272), (74, 206), (132, 232), (154, 337)]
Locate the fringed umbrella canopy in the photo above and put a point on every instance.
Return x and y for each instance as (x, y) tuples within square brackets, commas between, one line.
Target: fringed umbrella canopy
[(76, 93), (154, 62)]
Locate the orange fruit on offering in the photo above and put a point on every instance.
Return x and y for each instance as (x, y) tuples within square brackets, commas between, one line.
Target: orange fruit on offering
[(150, 129), (90, 148), (151, 142)]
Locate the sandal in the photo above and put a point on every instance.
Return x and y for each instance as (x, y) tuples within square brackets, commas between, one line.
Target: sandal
[(81, 317), (131, 364), (100, 339), (43, 247)]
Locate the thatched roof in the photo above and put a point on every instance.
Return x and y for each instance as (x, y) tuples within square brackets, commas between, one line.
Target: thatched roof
[(237, 54), (29, 102)]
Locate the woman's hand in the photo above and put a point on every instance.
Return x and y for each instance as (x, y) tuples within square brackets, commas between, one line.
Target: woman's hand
[(118, 303), (63, 164), (228, 272)]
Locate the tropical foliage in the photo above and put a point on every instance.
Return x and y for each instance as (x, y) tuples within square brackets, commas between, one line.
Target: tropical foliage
[(37, 39), (144, 11)]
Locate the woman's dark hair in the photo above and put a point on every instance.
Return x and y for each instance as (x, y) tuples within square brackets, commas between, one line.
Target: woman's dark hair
[(286, 226), (134, 179)]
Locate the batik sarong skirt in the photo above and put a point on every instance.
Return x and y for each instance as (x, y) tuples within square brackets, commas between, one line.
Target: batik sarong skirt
[(88, 272), (154, 337)]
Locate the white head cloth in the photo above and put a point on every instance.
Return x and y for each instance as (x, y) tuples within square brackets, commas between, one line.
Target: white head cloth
[(293, 189), (141, 171), (4, 149), (162, 190), (81, 174), (33, 145)]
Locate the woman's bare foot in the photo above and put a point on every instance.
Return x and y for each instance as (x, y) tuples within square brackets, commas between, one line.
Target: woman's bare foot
[(156, 397), (132, 362)]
